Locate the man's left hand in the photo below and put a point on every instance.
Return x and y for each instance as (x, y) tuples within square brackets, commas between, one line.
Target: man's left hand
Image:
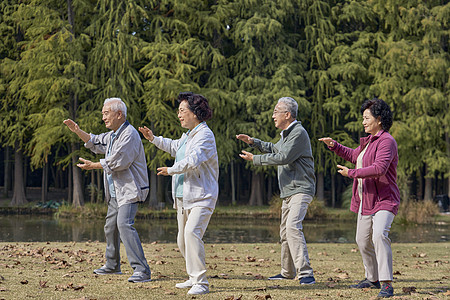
[(162, 171), (343, 170), (246, 155), (89, 165)]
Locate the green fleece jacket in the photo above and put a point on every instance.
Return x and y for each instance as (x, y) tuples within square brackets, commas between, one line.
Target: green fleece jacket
[(293, 156)]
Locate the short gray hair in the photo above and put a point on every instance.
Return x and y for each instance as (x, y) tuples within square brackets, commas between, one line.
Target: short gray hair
[(291, 105), (116, 104)]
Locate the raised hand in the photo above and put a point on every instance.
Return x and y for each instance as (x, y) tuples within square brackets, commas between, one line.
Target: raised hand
[(147, 133), (72, 125), (245, 138), (328, 141)]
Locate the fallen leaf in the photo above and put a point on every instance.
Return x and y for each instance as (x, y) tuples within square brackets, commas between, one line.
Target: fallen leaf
[(24, 281), (397, 273), (2, 289), (43, 284), (354, 250), (250, 259), (409, 289), (234, 298), (262, 297)]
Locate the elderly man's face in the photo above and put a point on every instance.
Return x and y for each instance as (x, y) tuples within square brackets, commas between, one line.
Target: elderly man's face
[(281, 116), (112, 119)]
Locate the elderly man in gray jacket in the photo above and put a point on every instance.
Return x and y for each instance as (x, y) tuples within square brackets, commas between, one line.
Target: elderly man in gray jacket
[(126, 184), (293, 156)]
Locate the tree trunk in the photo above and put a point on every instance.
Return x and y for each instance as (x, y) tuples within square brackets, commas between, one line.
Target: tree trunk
[(256, 196), (44, 185), (269, 188), (70, 184), (99, 185), (153, 199), (428, 193), (160, 190), (333, 190), (19, 197), (419, 185), (93, 186), (7, 172), (447, 141), (320, 186), (78, 197), (233, 184)]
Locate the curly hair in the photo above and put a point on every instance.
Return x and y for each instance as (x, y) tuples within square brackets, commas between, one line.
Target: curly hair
[(197, 104), (379, 108)]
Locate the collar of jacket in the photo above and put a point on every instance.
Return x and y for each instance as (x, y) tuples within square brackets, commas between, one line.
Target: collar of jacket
[(370, 138), (287, 131), (197, 129), (125, 125)]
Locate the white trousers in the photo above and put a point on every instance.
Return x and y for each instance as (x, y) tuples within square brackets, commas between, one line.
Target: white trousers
[(374, 244), (192, 225), (294, 253)]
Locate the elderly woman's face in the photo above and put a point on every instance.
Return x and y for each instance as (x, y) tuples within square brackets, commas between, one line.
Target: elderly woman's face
[(187, 118), (371, 124)]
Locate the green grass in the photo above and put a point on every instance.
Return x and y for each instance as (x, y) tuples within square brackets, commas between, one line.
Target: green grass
[(64, 271)]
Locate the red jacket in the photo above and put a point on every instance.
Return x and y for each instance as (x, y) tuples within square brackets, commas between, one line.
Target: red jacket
[(379, 173)]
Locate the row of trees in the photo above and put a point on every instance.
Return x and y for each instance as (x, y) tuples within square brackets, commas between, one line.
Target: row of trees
[(61, 59)]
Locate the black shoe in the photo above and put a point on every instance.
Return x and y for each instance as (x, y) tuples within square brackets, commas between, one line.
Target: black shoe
[(105, 271), (364, 284), (308, 280), (278, 277), (386, 290)]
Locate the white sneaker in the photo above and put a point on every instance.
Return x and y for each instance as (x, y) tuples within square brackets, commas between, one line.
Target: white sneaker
[(198, 289), (184, 285)]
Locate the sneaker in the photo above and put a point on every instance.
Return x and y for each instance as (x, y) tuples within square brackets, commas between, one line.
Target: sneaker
[(386, 290), (105, 271), (184, 285), (199, 289), (139, 277), (278, 277), (308, 280), (364, 284)]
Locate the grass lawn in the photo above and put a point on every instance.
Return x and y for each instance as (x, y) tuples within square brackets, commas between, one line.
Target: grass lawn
[(235, 271)]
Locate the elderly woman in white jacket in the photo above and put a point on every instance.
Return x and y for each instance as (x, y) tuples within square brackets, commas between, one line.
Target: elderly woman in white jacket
[(194, 183)]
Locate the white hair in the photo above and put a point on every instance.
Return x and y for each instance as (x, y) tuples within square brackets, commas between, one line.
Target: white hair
[(116, 104), (291, 105)]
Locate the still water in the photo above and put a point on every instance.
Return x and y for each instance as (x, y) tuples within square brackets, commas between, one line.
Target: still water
[(26, 228)]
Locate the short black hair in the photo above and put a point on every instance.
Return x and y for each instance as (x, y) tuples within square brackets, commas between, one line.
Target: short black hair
[(198, 104), (379, 108)]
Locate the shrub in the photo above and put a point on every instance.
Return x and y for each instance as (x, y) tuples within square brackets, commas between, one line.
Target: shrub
[(316, 208), (418, 212)]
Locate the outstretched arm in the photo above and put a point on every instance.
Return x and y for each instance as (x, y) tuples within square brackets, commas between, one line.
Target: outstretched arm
[(75, 128)]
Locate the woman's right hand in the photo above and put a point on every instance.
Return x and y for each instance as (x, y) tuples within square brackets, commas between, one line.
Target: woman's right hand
[(328, 141), (147, 133)]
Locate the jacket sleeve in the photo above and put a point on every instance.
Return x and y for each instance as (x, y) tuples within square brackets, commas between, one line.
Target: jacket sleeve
[(385, 153), (292, 148), (97, 143), (167, 145), (346, 153), (264, 147), (202, 149), (124, 153)]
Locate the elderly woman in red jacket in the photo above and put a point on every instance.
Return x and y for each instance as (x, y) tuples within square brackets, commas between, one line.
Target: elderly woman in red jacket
[(376, 196)]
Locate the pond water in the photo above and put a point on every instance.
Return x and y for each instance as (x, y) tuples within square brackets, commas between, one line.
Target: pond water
[(31, 228)]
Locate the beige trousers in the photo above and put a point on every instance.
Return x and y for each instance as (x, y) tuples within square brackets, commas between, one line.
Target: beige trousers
[(374, 244), (294, 254), (192, 225)]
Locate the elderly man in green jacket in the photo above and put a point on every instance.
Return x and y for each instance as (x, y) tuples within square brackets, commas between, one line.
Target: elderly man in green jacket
[(293, 156)]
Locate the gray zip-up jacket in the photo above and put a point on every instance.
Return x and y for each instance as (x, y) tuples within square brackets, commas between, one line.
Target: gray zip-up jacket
[(200, 166), (126, 164), (293, 156)]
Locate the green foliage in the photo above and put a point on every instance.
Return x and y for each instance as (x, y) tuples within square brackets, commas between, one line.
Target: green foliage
[(243, 56)]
